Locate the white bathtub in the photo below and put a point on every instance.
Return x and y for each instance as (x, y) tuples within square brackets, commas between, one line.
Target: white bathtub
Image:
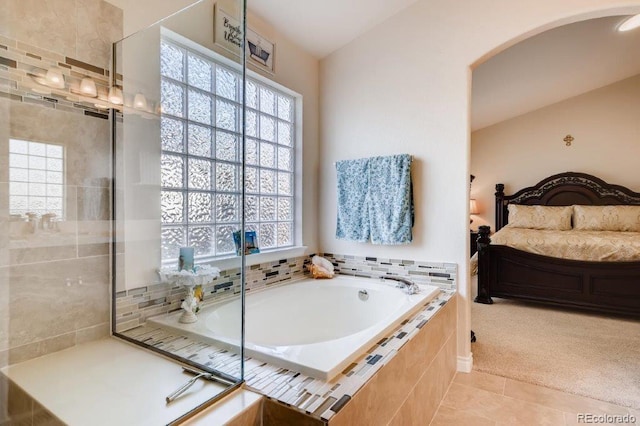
[(315, 327)]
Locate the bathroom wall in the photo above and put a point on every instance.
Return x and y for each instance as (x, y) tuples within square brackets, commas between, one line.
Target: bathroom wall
[(54, 283), (524, 150), (404, 86), (294, 69)]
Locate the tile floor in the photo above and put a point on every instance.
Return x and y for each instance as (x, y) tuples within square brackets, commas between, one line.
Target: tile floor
[(480, 399)]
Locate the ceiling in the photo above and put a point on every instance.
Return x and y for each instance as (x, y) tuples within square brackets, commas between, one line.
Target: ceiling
[(323, 26), (553, 66)]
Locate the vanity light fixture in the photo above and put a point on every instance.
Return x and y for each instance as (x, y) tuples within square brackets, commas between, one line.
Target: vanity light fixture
[(630, 23), (115, 95), (88, 87), (140, 102), (54, 78)]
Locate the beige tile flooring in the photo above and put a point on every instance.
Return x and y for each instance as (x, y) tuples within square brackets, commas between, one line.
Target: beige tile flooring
[(479, 399)]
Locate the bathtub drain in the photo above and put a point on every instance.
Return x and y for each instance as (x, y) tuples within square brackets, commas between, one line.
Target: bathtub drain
[(363, 295)]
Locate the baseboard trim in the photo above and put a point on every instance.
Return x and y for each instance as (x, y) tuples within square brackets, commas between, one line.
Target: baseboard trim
[(465, 363)]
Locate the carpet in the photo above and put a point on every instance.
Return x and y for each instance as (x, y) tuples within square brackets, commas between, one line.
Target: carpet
[(587, 354)]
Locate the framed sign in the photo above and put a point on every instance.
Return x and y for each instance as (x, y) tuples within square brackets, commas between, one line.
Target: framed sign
[(228, 35)]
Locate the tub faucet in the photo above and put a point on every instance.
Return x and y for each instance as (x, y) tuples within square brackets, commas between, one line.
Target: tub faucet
[(409, 286)]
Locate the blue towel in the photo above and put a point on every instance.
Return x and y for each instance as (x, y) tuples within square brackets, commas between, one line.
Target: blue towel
[(353, 200), (390, 199)]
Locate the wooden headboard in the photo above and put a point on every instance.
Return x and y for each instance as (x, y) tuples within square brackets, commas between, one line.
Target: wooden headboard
[(564, 189)]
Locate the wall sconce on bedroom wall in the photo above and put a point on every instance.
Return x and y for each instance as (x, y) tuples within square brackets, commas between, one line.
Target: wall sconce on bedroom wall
[(568, 139)]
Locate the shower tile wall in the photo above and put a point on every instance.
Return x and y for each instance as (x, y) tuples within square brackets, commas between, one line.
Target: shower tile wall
[(54, 283)]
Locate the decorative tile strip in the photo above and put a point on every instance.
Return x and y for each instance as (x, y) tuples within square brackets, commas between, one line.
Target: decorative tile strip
[(314, 397), (22, 65), (442, 275)]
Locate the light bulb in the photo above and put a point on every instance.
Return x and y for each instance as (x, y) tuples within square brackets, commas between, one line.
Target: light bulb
[(115, 95), (54, 78), (88, 87), (140, 102)]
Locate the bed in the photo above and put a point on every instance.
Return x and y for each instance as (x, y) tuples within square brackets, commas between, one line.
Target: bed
[(607, 284)]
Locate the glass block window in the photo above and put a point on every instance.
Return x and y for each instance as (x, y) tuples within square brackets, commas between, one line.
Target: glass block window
[(36, 178), (201, 170)]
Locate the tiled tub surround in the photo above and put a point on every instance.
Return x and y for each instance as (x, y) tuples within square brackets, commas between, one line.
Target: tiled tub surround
[(54, 285), (414, 366), (316, 327), (134, 306)]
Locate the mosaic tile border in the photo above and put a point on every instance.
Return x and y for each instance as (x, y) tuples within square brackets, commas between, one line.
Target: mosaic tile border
[(314, 397), (443, 275), (20, 62)]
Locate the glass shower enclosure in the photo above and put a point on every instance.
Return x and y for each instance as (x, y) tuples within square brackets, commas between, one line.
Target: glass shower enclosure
[(178, 194)]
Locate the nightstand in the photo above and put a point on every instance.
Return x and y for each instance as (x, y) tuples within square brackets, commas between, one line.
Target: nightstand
[(474, 242)]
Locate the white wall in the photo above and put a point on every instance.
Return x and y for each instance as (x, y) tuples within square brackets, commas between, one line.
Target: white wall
[(404, 86), (524, 150)]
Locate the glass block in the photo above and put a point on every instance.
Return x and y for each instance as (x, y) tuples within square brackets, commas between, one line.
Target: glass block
[(200, 75), (54, 190), (226, 84), (54, 164), (19, 188), (267, 181), (251, 152), (285, 184), (267, 101), (37, 189), (18, 147), (226, 177), (252, 124), (226, 146), (39, 176), (171, 241), (39, 163), (267, 208), (224, 239), (37, 203), (285, 234), (171, 61), (251, 179), (200, 140), (18, 203), (172, 134), (36, 148), (171, 171), (227, 208), (252, 94), (251, 208), (199, 174), (226, 116), (285, 162), (285, 210), (267, 128), (199, 106), (255, 228), (284, 107), (54, 151), (200, 208), (18, 175), (284, 134), (267, 155), (172, 99), (54, 177), (201, 238), (54, 203), (171, 205), (18, 160), (267, 235)]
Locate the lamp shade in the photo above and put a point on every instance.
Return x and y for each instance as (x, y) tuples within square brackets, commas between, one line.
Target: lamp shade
[(630, 24), (88, 87), (473, 207), (54, 78)]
